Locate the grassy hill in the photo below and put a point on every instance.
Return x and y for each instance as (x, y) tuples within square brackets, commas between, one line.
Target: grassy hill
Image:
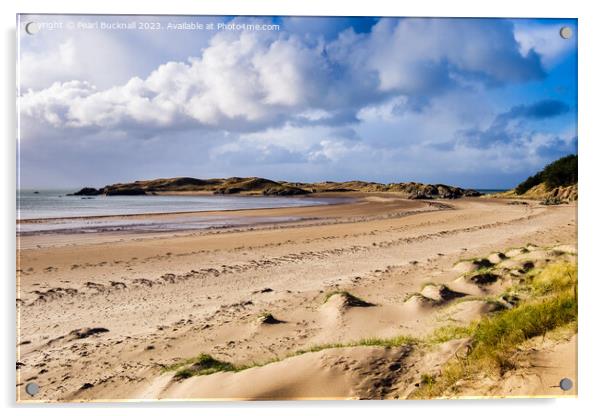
[(562, 172), (555, 183)]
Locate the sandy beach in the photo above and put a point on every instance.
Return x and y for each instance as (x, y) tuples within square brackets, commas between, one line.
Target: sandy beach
[(108, 316)]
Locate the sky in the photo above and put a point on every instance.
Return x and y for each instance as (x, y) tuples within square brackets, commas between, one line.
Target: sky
[(477, 103)]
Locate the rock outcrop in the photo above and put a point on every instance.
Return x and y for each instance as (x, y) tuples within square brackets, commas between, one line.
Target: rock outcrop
[(422, 191), (86, 192), (110, 191), (267, 187)]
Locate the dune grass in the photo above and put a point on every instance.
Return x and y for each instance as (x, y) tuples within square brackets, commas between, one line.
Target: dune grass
[(495, 301), (205, 364), (481, 262), (553, 304), (554, 278), (202, 365), (483, 277), (397, 341), (447, 333), (349, 298), (342, 293), (166, 368)]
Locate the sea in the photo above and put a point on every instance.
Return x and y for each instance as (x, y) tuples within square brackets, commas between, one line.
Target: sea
[(491, 191), (56, 204), (55, 211)]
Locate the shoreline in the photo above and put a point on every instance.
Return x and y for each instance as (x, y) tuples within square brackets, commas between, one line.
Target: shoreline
[(209, 212), (350, 209)]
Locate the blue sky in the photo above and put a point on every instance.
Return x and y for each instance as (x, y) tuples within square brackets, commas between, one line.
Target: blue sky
[(480, 103)]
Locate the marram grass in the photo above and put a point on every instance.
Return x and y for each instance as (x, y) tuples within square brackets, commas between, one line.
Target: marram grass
[(553, 304)]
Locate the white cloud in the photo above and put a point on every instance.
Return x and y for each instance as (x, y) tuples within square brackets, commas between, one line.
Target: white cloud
[(249, 81), (60, 63), (97, 58), (426, 56), (390, 110), (103, 58), (544, 39)]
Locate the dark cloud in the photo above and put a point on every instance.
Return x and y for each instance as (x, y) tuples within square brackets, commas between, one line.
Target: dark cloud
[(502, 129), (557, 148), (539, 110)]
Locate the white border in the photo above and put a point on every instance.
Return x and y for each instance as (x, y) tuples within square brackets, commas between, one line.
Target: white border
[(590, 68)]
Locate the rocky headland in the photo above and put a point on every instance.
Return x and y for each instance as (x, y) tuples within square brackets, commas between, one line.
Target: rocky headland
[(267, 187)]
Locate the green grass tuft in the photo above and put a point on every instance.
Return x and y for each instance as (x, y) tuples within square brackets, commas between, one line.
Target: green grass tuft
[(555, 278), (397, 341), (447, 333), (204, 364), (512, 327)]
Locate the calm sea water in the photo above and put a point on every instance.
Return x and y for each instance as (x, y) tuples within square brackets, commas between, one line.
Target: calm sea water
[(59, 213), (55, 204), (491, 191)]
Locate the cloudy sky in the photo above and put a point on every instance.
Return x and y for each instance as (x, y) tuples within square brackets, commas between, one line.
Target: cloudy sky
[(471, 102)]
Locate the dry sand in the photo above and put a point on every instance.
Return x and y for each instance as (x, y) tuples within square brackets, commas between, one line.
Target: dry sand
[(164, 297)]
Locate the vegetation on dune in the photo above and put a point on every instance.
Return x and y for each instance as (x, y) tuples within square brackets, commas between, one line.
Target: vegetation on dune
[(449, 332), (562, 172), (349, 299), (483, 277), (397, 341), (481, 263), (551, 303), (554, 278), (202, 365), (205, 364)]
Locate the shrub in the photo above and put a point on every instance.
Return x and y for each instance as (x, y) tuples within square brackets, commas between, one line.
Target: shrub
[(562, 172)]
